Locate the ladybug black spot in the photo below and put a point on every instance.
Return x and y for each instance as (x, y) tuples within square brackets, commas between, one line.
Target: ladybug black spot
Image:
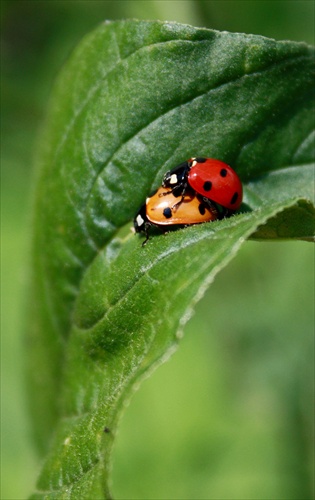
[(207, 185), (223, 172), (167, 212), (201, 160), (234, 198), (202, 209)]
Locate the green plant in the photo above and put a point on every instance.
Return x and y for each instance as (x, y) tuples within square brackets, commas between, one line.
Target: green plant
[(135, 99)]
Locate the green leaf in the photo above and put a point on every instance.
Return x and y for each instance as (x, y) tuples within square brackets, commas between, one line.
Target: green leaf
[(135, 99)]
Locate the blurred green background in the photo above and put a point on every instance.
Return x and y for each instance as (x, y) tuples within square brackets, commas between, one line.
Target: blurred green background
[(231, 415)]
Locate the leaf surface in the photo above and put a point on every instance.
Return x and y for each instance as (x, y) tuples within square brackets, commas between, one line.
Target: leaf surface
[(135, 99)]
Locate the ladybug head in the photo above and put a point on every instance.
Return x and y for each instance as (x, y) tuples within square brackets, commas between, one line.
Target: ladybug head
[(140, 220)]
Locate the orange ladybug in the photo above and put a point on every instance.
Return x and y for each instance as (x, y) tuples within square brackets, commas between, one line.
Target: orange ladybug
[(171, 210)]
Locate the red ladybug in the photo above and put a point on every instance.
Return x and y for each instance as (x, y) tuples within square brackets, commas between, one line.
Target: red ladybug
[(163, 211), (210, 178)]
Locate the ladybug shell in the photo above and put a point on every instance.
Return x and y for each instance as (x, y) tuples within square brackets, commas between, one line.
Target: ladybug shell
[(217, 181), (161, 209)]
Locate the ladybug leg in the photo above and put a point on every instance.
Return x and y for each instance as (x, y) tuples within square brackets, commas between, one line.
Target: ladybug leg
[(208, 202), (146, 230), (223, 212), (227, 213), (166, 193), (214, 207), (179, 191), (175, 207)]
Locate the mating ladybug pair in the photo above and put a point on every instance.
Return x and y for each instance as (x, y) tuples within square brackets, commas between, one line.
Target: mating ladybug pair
[(198, 190)]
